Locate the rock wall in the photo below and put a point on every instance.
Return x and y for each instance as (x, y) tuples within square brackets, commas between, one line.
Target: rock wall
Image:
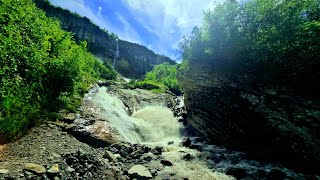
[(266, 120), (134, 60)]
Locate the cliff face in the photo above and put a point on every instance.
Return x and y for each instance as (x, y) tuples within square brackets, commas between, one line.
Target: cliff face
[(266, 120), (134, 61)]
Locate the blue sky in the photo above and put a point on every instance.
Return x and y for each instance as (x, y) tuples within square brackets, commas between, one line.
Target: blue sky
[(156, 24)]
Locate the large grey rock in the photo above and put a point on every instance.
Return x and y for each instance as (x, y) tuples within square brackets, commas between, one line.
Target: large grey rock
[(35, 168), (139, 172)]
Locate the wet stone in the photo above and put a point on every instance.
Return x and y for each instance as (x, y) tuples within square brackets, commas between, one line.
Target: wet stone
[(146, 149), (148, 157), (157, 150), (187, 157), (166, 162), (186, 142)]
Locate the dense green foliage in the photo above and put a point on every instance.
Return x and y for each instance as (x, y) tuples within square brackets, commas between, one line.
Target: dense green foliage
[(276, 39), (163, 77), (41, 68), (134, 61)]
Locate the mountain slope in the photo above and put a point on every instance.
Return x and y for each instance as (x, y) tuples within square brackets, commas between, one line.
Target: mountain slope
[(134, 61)]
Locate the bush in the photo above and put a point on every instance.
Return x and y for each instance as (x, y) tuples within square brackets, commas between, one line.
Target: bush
[(162, 78), (41, 68)]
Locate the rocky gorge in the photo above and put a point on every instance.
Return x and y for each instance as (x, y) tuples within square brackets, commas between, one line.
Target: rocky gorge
[(120, 133), (268, 120)]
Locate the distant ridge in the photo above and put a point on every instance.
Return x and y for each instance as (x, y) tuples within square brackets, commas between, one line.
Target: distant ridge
[(134, 60)]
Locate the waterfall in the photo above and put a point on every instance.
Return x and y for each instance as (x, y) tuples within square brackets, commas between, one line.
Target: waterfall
[(116, 54), (153, 126)]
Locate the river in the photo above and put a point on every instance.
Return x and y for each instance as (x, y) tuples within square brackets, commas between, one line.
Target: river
[(155, 125)]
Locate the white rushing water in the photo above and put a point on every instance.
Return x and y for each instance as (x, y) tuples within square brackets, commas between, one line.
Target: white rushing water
[(154, 125)]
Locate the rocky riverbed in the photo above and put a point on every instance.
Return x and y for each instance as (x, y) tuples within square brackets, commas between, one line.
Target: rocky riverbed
[(119, 133)]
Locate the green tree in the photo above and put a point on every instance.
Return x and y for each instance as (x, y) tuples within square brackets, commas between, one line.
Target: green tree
[(41, 68)]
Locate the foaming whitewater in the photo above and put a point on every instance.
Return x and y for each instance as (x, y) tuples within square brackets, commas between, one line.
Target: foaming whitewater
[(153, 125), (156, 126)]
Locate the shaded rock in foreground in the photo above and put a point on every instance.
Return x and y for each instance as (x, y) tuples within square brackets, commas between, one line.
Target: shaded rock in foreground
[(139, 172), (35, 168)]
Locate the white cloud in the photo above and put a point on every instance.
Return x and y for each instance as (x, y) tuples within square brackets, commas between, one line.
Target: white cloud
[(169, 20), (128, 32)]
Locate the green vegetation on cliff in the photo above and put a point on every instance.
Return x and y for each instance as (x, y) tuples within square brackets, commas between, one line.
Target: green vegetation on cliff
[(252, 79), (134, 61), (163, 77), (273, 39), (42, 69)]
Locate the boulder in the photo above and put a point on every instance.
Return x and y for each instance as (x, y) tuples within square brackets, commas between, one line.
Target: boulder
[(187, 157), (166, 162), (54, 169), (110, 156), (186, 142), (35, 168), (157, 150), (139, 172)]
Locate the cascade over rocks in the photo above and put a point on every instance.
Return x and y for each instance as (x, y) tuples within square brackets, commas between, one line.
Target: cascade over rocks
[(121, 159)]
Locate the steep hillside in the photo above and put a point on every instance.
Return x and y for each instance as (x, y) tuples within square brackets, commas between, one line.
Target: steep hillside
[(42, 69), (252, 80), (134, 61)]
